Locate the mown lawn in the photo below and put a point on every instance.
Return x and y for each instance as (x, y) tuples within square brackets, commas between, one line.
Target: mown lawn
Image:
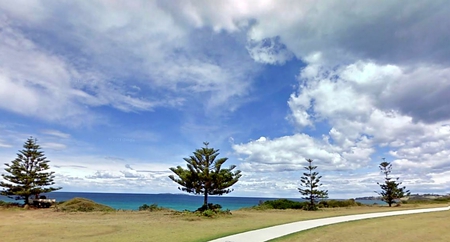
[(49, 225)]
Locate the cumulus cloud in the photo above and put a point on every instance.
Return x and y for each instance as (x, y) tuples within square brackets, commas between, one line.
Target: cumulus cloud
[(103, 175), (288, 153), (347, 31)]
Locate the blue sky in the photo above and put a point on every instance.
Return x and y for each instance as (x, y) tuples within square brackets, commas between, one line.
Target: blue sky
[(117, 92)]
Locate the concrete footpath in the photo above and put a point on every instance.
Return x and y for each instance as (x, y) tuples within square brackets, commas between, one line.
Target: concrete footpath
[(269, 233)]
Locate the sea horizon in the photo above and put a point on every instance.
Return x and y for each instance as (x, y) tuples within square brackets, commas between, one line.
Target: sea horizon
[(175, 201)]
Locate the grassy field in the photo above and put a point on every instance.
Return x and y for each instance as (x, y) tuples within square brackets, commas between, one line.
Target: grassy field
[(49, 225), (433, 226)]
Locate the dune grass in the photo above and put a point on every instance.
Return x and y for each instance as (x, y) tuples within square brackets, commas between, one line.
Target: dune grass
[(432, 226), (79, 204), (49, 225)]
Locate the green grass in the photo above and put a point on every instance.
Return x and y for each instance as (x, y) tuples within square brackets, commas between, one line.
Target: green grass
[(83, 205)]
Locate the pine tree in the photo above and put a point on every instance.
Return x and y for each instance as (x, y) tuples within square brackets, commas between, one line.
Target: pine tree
[(391, 189), (310, 181), (28, 174), (205, 175)]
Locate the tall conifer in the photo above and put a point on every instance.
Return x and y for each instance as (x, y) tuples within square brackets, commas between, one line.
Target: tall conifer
[(28, 174), (310, 181), (205, 175), (390, 189)]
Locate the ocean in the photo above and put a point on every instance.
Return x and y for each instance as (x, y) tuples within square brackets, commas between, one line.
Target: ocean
[(180, 202)]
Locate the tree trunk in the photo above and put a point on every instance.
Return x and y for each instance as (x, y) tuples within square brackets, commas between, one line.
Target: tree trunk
[(26, 200), (205, 199)]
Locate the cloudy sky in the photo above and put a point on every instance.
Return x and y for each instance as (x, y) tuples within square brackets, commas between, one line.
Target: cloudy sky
[(116, 92)]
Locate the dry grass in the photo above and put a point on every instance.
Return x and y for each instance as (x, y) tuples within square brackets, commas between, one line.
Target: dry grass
[(48, 225), (433, 226)]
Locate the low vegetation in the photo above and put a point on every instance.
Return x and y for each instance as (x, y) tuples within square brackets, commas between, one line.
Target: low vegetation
[(439, 200), (339, 203), (82, 205), (4, 204), (46, 225), (289, 204), (151, 208)]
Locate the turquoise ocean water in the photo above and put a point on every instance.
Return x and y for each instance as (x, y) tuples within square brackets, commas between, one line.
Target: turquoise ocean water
[(178, 202)]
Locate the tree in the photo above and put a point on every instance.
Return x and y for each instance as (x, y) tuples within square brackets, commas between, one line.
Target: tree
[(310, 181), (391, 189), (205, 175), (28, 174)]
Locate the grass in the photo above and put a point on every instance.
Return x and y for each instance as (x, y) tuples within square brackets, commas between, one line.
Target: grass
[(432, 226), (79, 204), (49, 225)]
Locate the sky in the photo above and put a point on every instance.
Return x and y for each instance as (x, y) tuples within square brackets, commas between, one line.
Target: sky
[(117, 92)]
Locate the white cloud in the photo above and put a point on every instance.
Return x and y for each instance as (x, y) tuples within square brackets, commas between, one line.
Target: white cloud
[(52, 85), (3, 144), (54, 146), (108, 50), (56, 133), (288, 153), (376, 77), (269, 51)]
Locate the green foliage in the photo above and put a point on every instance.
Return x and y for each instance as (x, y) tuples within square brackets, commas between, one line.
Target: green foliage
[(339, 203), (4, 204), (390, 189), (208, 213), (205, 175), (282, 204), (439, 200), (213, 212), (289, 204), (210, 210), (83, 205), (310, 181), (28, 174), (151, 207), (209, 206)]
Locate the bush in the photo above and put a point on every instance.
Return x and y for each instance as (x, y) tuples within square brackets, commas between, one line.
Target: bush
[(339, 203), (211, 210), (210, 206), (438, 200), (4, 204), (151, 207), (281, 204)]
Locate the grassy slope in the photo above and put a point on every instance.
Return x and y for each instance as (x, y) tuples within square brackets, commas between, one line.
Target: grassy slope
[(433, 226), (48, 225)]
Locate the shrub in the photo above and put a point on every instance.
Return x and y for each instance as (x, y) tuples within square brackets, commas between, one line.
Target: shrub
[(211, 210), (208, 213), (210, 206), (428, 201), (151, 207), (339, 203), (281, 204), (4, 204)]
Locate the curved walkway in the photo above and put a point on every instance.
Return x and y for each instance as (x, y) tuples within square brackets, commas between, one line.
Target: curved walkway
[(269, 233)]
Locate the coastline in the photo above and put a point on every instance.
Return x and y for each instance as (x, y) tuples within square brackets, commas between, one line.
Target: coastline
[(178, 202)]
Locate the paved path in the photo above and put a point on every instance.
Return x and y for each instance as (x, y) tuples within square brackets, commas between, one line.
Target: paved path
[(285, 229)]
